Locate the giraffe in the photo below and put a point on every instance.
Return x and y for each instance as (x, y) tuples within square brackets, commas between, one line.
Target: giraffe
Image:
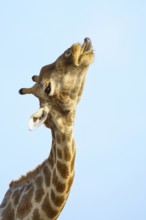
[(42, 193)]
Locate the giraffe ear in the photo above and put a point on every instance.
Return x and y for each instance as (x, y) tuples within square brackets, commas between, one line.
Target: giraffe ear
[(38, 118)]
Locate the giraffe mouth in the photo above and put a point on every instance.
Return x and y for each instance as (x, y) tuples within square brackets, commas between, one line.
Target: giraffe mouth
[(82, 53), (87, 45)]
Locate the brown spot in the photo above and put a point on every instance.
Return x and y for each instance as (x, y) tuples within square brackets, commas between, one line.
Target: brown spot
[(48, 209), (63, 137), (36, 215), (70, 183), (6, 198), (38, 181), (25, 204), (58, 200), (8, 213), (51, 162), (60, 187), (67, 154), (73, 162), (39, 194), (16, 196), (59, 153), (63, 169), (47, 175)]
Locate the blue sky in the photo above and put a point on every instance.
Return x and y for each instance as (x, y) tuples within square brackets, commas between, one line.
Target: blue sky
[(110, 128)]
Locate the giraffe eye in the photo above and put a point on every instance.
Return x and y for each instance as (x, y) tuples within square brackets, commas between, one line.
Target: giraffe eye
[(68, 53), (48, 89)]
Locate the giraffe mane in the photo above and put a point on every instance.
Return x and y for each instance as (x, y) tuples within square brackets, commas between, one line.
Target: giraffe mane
[(28, 177)]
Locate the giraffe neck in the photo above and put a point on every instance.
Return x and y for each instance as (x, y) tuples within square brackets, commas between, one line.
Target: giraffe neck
[(42, 193), (59, 171)]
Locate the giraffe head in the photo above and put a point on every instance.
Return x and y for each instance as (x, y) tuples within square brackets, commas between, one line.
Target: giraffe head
[(60, 84)]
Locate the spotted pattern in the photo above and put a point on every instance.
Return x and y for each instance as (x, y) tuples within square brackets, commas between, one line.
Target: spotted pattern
[(60, 187), (67, 154), (6, 198), (73, 162), (16, 197), (58, 200), (70, 183), (47, 175), (39, 194), (38, 181), (59, 153), (48, 209), (8, 213), (25, 207), (63, 169), (36, 215)]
